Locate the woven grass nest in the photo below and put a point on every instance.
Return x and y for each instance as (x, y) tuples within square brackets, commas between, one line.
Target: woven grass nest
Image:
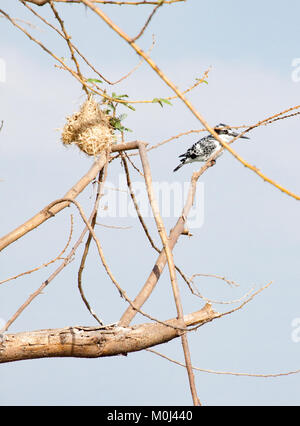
[(89, 129)]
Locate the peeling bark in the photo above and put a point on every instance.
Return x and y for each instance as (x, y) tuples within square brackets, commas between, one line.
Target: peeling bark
[(94, 342)]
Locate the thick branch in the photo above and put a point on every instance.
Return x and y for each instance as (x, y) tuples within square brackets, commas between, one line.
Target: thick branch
[(126, 146), (38, 2), (94, 342)]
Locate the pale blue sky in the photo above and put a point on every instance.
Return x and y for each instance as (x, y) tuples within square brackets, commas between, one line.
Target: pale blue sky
[(250, 232)]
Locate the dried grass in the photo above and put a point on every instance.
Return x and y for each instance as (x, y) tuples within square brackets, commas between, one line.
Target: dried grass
[(89, 129)]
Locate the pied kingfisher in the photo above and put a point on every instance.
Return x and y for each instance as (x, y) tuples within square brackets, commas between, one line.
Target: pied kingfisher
[(207, 146)]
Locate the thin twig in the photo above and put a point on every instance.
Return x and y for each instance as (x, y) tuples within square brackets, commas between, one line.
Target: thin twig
[(66, 261), (44, 265), (230, 373), (102, 177), (135, 203), (133, 165), (81, 55), (113, 226), (70, 46), (219, 277), (264, 122), (136, 67), (194, 290), (246, 301), (148, 21)]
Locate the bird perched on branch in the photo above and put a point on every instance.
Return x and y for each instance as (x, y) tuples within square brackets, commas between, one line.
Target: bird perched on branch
[(207, 146)]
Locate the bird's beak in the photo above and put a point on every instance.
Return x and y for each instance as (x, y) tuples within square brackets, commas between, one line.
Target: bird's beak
[(241, 137)]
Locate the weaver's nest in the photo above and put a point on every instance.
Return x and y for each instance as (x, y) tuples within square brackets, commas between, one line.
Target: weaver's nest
[(89, 129)]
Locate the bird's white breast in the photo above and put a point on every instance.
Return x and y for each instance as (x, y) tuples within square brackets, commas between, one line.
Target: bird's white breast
[(226, 138)]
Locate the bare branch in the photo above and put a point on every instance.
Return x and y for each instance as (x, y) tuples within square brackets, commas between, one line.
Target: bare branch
[(116, 3), (70, 46), (63, 35), (229, 373), (126, 146), (44, 265), (94, 342), (102, 177), (148, 21)]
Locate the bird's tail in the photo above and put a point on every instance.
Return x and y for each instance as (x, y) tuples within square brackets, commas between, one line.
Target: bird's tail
[(178, 167)]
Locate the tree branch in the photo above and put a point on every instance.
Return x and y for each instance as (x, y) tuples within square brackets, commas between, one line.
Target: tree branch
[(118, 3), (94, 342)]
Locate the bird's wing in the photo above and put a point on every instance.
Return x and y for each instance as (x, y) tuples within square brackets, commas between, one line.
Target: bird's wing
[(198, 148)]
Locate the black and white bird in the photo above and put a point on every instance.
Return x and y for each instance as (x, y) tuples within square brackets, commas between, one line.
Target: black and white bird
[(207, 146)]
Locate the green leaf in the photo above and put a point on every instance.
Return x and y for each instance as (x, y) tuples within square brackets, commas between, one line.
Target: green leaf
[(113, 95), (129, 106), (94, 80), (156, 100), (166, 101), (204, 81), (116, 124), (160, 101)]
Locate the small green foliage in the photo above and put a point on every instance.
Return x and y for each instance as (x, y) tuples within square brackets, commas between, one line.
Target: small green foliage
[(161, 101), (110, 109), (113, 95), (203, 81), (120, 97), (129, 106), (94, 80), (116, 123)]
